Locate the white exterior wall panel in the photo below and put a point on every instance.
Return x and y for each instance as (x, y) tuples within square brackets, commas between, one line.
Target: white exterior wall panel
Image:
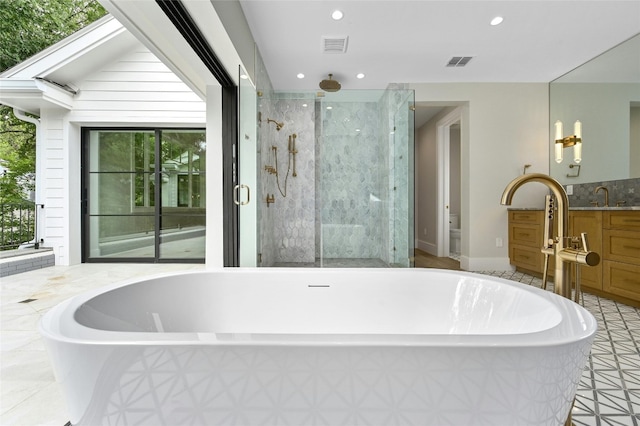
[(137, 90)]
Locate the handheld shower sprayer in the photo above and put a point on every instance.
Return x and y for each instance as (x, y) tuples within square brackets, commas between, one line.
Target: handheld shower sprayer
[(278, 125)]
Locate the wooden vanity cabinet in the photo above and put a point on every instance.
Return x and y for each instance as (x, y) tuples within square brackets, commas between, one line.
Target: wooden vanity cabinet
[(525, 239), (621, 254), (614, 235), (526, 228)]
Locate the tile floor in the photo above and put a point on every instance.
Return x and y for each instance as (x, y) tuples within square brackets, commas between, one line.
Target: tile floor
[(609, 391), (608, 394)]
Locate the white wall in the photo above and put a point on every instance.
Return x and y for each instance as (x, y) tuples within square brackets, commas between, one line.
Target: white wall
[(137, 89), (503, 128), (60, 176)]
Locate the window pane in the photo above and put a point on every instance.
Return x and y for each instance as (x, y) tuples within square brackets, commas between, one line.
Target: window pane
[(183, 163), (122, 236), (182, 237), (121, 193), (113, 151)]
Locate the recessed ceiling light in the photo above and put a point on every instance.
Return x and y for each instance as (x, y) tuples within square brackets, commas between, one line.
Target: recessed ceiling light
[(304, 105), (337, 15), (329, 107), (300, 75), (497, 20), (244, 76), (360, 75)]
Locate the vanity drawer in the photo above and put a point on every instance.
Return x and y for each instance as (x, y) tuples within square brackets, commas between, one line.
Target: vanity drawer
[(621, 246), (527, 258), (525, 216), (622, 279), (622, 220), (526, 234)]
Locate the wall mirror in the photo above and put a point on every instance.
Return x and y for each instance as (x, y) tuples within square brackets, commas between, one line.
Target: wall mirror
[(604, 95)]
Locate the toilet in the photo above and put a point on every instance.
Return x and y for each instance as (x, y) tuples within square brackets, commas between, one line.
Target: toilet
[(454, 233)]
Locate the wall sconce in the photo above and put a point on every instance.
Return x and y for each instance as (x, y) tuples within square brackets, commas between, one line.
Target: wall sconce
[(574, 140)]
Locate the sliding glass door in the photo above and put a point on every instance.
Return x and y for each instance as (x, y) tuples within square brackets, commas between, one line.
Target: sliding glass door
[(144, 195)]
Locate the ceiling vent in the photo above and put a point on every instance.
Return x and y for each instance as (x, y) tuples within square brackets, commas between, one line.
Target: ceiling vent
[(334, 44), (459, 61)]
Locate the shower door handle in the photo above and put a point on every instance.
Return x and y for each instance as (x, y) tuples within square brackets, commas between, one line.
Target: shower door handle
[(236, 191)]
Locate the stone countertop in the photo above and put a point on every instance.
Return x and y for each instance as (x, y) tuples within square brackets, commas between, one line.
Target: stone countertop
[(623, 208)]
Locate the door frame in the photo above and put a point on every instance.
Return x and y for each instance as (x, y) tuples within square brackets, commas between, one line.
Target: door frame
[(443, 169), (184, 23)]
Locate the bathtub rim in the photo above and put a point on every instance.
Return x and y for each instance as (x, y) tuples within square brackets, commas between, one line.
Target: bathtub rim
[(48, 326)]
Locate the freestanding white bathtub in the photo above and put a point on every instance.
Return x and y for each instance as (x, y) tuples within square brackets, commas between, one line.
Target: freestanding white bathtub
[(319, 347)]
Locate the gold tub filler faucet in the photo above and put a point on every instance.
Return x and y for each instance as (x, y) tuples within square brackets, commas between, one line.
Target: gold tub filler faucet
[(566, 250)]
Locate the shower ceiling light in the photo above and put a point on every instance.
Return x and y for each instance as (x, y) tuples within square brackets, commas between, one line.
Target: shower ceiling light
[(300, 75), (497, 20), (360, 76), (337, 15)]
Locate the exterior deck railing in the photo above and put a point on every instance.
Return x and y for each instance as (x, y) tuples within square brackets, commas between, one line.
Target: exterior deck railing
[(17, 224)]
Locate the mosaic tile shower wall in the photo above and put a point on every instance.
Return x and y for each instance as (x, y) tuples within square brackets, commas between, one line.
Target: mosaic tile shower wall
[(287, 224), (345, 201), (350, 186), (626, 192)]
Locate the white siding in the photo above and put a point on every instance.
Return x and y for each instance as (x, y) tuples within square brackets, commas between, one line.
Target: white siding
[(59, 186), (137, 89)]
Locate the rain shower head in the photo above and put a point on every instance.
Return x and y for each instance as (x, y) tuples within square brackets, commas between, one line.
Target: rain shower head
[(330, 85)]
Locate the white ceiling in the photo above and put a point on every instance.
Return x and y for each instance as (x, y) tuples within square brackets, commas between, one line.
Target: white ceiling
[(410, 41)]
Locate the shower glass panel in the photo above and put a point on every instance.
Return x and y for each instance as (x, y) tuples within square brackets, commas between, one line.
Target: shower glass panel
[(336, 178), (401, 140), (365, 178), (247, 191)]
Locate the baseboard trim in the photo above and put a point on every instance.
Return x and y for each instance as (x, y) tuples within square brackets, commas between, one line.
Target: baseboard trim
[(427, 247), (485, 264)]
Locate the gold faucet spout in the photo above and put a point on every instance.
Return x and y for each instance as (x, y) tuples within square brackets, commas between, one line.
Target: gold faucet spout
[(562, 282), (556, 188)]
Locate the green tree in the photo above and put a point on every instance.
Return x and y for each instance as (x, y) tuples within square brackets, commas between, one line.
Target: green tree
[(26, 28)]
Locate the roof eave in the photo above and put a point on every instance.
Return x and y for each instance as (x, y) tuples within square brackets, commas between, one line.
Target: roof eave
[(33, 95)]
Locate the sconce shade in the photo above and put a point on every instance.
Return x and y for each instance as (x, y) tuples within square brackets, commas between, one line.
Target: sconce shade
[(577, 152), (558, 149)]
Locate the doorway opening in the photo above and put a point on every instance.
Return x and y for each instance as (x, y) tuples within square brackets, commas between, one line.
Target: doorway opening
[(438, 214)]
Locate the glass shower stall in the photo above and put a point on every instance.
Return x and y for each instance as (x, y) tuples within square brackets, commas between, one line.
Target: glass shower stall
[(335, 178)]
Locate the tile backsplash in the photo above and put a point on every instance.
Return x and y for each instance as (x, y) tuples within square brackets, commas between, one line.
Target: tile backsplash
[(627, 190)]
